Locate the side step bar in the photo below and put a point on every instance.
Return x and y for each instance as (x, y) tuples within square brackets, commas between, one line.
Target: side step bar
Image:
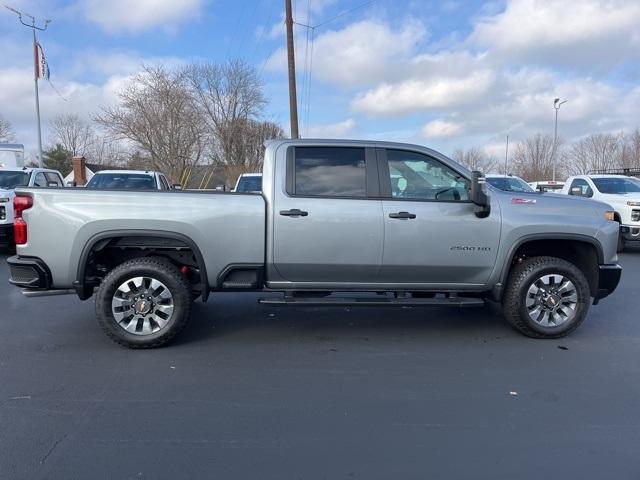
[(47, 293), (373, 301)]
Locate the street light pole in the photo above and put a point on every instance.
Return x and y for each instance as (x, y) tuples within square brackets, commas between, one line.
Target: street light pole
[(32, 25), (556, 104)]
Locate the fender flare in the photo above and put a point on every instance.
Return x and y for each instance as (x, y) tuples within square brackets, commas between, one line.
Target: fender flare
[(82, 289)]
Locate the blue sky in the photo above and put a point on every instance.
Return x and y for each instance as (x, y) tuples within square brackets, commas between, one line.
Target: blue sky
[(448, 74)]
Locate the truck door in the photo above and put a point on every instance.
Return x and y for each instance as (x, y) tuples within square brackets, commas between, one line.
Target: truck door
[(327, 217), (431, 234)]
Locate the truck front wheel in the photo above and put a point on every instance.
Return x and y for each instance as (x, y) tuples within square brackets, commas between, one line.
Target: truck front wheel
[(143, 303), (546, 297)]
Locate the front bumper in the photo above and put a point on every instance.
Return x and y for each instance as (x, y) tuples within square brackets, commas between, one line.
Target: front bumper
[(6, 234), (608, 279), (630, 232), (29, 272)]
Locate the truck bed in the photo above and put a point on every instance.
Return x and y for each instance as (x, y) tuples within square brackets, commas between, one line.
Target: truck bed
[(227, 227)]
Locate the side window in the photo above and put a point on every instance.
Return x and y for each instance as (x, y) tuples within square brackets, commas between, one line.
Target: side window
[(53, 178), (415, 176), (581, 188), (40, 180), (329, 172)]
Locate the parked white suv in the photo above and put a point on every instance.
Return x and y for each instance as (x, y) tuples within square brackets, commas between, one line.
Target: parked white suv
[(129, 180), (622, 193), (10, 178), (508, 183)]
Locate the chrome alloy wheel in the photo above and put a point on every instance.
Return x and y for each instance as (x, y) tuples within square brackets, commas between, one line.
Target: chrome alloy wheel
[(552, 300), (142, 305)]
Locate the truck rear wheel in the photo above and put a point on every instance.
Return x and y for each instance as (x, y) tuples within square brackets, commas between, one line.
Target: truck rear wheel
[(546, 297), (143, 303)]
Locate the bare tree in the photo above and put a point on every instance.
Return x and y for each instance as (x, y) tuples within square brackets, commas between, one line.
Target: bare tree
[(598, 151), (230, 98), (631, 150), (248, 153), (73, 133), (533, 158), (6, 130), (159, 116), (475, 159)]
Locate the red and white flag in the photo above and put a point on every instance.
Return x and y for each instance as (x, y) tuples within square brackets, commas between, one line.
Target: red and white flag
[(42, 67)]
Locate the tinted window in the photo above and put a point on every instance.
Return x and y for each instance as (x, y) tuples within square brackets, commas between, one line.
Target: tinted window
[(417, 176), (40, 180), (53, 178), (585, 189), (330, 171), (127, 181), (9, 179), (616, 185), (510, 184), (249, 184)]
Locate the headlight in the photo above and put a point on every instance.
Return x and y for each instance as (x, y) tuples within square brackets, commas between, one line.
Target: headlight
[(609, 215), (4, 199), (631, 204)]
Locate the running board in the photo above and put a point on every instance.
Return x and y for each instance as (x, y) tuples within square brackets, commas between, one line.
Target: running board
[(47, 293), (373, 301)]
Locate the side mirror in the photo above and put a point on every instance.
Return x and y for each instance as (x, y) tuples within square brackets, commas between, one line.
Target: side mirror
[(576, 191), (478, 196), (177, 186), (220, 188)]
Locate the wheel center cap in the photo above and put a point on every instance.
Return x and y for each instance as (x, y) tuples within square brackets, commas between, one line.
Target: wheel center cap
[(142, 307)]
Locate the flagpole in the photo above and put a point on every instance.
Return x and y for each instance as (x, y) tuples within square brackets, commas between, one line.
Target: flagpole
[(36, 58), (35, 66)]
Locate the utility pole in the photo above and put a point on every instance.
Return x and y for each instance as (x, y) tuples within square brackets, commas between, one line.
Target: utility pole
[(506, 157), (32, 25), (293, 98), (556, 104)]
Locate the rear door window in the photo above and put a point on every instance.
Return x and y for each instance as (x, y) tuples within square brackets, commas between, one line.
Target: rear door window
[(53, 178), (330, 172)]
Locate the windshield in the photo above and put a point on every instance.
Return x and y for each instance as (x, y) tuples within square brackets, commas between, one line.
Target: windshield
[(126, 181), (11, 180), (510, 184), (249, 184), (616, 185)]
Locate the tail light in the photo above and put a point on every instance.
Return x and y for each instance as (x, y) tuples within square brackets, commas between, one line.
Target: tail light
[(20, 204)]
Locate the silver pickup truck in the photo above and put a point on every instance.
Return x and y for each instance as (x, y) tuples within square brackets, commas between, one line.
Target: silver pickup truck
[(337, 223)]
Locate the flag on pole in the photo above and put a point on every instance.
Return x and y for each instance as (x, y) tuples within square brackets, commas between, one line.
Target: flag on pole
[(42, 67)]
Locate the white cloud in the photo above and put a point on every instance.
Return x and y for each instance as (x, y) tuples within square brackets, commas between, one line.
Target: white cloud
[(416, 94), (139, 15), (584, 32), (441, 128), (361, 53), (333, 130)]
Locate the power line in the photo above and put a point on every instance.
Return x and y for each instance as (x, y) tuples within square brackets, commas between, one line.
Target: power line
[(346, 12)]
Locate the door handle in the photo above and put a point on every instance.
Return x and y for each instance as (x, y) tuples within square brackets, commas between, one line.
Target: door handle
[(402, 215), (294, 212)]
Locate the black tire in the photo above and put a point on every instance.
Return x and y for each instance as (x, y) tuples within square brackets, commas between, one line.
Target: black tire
[(155, 268), (523, 276)]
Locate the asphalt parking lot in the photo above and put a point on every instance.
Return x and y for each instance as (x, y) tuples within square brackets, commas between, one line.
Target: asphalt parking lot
[(311, 393)]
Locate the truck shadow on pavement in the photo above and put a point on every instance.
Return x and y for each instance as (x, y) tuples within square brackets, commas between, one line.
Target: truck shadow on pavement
[(236, 315)]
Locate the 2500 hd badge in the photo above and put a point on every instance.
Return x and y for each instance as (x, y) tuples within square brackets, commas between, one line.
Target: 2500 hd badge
[(469, 248)]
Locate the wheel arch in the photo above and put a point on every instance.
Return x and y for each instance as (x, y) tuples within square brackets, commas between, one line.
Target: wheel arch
[(582, 250), (85, 290)]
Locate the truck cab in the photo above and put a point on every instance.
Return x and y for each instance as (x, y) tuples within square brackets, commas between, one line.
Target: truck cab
[(619, 191)]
